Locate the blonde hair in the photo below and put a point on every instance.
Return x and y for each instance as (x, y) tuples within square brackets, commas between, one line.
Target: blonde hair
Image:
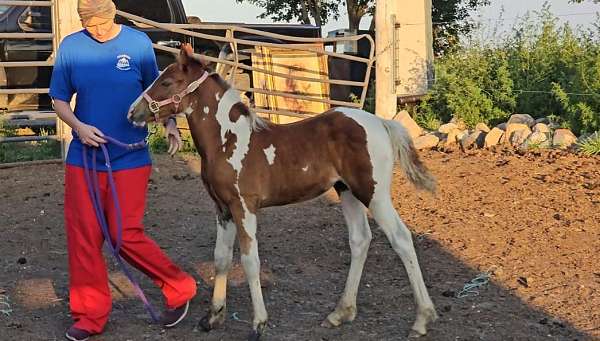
[(88, 9)]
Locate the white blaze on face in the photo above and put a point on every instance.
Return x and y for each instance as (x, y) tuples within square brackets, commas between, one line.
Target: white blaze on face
[(305, 169), (206, 110), (139, 99), (270, 154)]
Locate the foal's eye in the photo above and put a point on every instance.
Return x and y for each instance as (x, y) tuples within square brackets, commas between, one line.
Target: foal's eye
[(166, 83)]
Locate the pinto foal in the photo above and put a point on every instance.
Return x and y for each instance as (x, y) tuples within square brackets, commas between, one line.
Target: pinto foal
[(249, 163)]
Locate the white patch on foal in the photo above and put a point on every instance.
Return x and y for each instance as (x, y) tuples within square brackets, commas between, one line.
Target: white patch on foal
[(305, 169), (378, 145), (270, 154), (218, 97), (188, 111), (241, 129), (206, 110)]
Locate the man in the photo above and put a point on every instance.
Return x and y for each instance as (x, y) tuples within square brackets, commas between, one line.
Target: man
[(108, 66)]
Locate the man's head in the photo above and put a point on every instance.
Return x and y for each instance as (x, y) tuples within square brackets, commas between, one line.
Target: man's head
[(97, 17)]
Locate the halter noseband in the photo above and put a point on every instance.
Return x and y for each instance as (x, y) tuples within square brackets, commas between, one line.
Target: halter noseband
[(155, 106)]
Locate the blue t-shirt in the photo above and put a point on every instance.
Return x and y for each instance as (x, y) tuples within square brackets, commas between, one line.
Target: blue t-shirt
[(107, 78)]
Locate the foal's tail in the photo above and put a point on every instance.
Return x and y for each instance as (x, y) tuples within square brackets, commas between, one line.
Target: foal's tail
[(410, 163)]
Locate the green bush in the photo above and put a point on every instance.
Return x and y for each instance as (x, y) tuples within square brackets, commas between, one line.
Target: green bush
[(590, 145), (159, 144), (540, 69)]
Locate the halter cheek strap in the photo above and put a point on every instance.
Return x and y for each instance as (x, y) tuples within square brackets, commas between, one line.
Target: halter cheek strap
[(155, 106)]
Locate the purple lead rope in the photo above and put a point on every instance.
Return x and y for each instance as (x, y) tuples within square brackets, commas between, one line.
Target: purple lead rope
[(94, 192)]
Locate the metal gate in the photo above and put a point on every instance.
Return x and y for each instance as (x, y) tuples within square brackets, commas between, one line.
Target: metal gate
[(234, 62), (22, 64)]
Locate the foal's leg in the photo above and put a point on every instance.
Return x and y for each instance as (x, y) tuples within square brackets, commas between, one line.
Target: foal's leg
[(400, 237), (246, 222), (226, 232), (360, 237)]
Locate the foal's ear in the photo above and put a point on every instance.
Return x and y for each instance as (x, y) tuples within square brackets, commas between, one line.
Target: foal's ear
[(185, 56)]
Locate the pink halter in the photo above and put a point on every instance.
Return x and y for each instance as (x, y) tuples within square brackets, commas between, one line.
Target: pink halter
[(155, 106)]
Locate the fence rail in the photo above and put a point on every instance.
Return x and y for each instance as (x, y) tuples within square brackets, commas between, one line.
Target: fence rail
[(229, 38), (29, 138), (27, 3)]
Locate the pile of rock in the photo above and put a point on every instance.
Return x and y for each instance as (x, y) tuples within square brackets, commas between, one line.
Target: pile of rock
[(521, 131)]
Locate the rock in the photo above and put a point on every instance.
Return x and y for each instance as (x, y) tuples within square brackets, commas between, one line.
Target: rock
[(474, 139), (426, 141), (482, 127), (411, 126), (563, 138), (519, 137), (501, 126), (460, 135), (493, 137), (446, 128), (452, 137), (541, 128), (537, 140), (511, 129), (522, 119)]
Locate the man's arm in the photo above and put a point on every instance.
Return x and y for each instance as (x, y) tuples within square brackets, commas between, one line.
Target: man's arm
[(88, 134)]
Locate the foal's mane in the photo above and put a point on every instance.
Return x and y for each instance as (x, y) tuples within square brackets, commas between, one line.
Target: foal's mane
[(257, 123)]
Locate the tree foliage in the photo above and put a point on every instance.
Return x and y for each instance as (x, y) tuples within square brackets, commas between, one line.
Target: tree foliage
[(542, 69), (449, 16)]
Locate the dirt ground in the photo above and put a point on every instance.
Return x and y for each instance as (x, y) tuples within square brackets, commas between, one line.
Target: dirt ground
[(532, 221)]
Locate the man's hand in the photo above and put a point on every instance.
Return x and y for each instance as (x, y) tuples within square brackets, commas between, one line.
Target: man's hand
[(89, 135), (172, 134)]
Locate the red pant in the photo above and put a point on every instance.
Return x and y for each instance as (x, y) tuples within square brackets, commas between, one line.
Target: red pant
[(90, 298)]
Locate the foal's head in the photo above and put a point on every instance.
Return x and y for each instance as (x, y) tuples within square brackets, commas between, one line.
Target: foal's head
[(168, 94)]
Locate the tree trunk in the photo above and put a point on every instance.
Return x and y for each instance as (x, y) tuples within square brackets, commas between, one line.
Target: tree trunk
[(304, 10), (355, 14), (316, 12)]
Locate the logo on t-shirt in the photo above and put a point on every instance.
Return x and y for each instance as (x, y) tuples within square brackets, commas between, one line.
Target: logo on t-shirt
[(123, 62)]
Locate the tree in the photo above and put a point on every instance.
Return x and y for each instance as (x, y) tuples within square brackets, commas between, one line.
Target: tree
[(357, 9), (298, 10), (450, 21), (449, 16)]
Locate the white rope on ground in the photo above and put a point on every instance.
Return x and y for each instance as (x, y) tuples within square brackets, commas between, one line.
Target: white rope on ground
[(471, 288), (4, 301)]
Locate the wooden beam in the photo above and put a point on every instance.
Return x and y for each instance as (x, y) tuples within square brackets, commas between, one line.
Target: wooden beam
[(66, 21), (404, 45), (26, 3), (386, 100)]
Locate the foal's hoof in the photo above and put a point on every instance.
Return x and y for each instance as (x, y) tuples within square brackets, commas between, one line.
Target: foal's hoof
[(205, 323), (415, 334), (339, 316), (254, 336), (212, 320), (424, 317)]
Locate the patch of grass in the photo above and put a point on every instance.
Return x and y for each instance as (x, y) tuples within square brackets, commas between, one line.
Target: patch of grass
[(428, 121), (29, 151), (590, 145)]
